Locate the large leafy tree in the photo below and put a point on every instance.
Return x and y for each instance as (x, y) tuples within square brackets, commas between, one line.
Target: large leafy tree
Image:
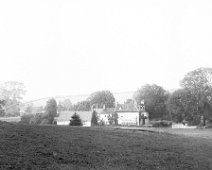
[(12, 93), (199, 79), (129, 101), (102, 98), (82, 106), (2, 111), (155, 98), (199, 83), (67, 105), (12, 90), (181, 106), (60, 107), (51, 110)]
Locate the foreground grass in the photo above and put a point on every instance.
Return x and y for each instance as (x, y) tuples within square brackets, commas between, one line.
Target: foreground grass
[(53, 147)]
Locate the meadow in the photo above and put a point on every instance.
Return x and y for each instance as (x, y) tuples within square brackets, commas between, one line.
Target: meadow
[(98, 148)]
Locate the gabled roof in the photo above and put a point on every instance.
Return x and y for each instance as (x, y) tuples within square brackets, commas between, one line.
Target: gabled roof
[(105, 111), (130, 107), (66, 115)]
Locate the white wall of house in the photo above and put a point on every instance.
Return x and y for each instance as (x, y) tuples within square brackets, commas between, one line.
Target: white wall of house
[(182, 126), (86, 123), (63, 123), (66, 123), (128, 118), (104, 118)]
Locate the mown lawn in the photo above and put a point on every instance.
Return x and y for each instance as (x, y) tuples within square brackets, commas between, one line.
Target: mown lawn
[(54, 147)]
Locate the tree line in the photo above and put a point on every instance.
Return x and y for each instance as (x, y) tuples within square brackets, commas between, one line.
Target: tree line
[(192, 102), (99, 99), (47, 114)]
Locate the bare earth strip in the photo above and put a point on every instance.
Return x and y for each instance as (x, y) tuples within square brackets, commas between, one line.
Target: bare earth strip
[(53, 147), (197, 133)]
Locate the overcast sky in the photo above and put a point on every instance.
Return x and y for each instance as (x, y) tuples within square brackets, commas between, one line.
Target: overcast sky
[(69, 47)]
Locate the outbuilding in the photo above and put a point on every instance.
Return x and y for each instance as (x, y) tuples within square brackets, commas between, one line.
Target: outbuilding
[(65, 117)]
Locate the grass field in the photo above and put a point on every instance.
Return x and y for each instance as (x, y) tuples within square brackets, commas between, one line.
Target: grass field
[(53, 147)]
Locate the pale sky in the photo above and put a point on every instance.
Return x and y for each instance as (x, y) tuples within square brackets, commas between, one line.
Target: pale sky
[(69, 47)]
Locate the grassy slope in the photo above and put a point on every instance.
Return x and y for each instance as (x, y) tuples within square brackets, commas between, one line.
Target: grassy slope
[(49, 147)]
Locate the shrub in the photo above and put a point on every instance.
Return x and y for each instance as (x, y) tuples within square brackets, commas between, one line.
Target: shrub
[(162, 123), (75, 121), (113, 120), (32, 121), (26, 119), (44, 122), (38, 118), (101, 123)]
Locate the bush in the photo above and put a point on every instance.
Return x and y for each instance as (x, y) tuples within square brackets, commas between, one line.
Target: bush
[(26, 119), (113, 120), (75, 121), (101, 123), (208, 124), (38, 118), (44, 122), (162, 123)]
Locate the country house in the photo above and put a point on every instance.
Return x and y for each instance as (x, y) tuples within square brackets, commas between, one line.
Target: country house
[(126, 115), (122, 114)]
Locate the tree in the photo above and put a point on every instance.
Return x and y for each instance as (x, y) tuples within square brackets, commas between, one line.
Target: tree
[(67, 105), (82, 106), (12, 108), (129, 101), (12, 90), (60, 107), (75, 121), (155, 98), (2, 110), (29, 108), (94, 119), (198, 79), (12, 93), (181, 106), (102, 98), (199, 83), (51, 110)]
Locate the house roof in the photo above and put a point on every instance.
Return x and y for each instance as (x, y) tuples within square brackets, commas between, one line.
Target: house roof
[(105, 111), (130, 107), (66, 115)]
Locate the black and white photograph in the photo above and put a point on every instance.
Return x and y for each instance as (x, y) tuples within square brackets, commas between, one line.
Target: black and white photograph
[(106, 85)]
